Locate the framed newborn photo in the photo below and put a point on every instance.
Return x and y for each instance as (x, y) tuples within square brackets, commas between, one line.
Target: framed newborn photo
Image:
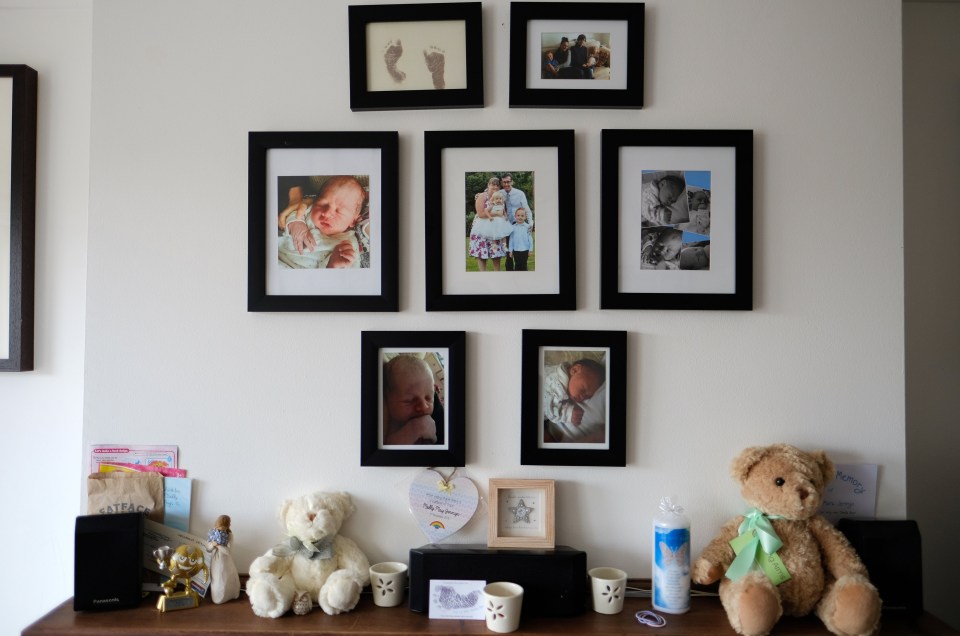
[(573, 409), (522, 514), (500, 220), (676, 219), (322, 219), (18, 171), (563, 56), (409, 56), (412, 402)]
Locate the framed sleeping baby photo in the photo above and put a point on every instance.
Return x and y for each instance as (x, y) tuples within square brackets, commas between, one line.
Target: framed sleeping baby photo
[(412, 403), (677, 219), (573, 408), (322, 221)]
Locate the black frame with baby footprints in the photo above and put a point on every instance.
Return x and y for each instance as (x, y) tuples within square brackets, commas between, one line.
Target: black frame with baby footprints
[(414, 56), (603, 443), (694, 251), (368, 155), (449, 349)]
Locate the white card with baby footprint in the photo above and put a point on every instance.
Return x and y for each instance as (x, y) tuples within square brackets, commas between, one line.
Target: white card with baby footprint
[(442, 506), (412, 56)]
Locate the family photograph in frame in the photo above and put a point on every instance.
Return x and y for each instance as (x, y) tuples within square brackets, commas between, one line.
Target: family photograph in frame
[(687, 195), (409, 56), (18, 172), (412, 406), (499, 220), (573, 405), (322, 221), (563, 56)]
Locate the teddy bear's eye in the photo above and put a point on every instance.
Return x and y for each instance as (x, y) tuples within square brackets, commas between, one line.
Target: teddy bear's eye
[(779, 481)]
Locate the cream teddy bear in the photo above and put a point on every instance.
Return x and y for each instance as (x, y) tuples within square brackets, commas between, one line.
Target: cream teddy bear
[(317, 560)]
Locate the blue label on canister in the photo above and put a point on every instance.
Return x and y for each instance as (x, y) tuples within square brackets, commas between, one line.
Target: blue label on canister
[(671, 569)]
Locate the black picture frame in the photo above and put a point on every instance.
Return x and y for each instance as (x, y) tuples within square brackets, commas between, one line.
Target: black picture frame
[(18, 116), (370, 153), (711, 217), (430, 69), (532, 87), (547, 156), (374, 347), (592, 442)]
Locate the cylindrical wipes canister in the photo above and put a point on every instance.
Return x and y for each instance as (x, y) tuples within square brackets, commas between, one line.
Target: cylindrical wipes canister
[(671, 559)]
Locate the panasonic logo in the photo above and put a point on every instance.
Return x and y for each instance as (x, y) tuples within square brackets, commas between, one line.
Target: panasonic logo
[(101, 601)]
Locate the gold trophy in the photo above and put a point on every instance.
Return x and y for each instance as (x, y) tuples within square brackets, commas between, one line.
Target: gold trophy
[(184, 563)]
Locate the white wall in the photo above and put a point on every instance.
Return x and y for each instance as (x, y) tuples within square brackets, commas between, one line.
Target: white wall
[(41, 411), (173, 357), (931, 75)]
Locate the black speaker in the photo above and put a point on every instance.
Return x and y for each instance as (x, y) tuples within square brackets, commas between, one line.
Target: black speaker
[(891, 551), (554, 581), (108, 561)]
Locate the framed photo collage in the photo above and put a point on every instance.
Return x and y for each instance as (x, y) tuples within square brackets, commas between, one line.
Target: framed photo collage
[(676, 223)]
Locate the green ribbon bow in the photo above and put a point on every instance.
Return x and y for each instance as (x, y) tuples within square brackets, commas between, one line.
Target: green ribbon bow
[(757, 544)]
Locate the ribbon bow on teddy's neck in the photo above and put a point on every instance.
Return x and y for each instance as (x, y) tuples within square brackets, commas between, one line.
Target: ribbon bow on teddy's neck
[(322, 549), (757, 544)]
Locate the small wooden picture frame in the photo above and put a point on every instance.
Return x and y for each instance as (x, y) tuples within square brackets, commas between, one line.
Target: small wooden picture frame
[(521, 513)]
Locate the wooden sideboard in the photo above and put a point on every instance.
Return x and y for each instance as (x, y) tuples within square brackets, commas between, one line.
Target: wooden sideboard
[(235, 618)]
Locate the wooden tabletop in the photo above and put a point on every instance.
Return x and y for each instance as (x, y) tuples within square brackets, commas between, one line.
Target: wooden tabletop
[(237, 619)]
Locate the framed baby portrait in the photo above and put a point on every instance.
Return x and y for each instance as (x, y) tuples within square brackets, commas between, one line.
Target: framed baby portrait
[(573, 409), (500, 220), (18, 171), (522, 513), (408, 56), (322, 219), (677, 219), (563, 56), (412, 403)]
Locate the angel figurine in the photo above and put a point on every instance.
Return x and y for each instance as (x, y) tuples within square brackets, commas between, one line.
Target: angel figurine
[(224, 579)]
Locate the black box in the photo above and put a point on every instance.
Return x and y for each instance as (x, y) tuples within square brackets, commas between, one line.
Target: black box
[(554, 581), (108, 561), (890, 548)]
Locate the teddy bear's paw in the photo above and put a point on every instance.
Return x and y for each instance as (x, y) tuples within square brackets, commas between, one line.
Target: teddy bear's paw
[(339, 596), (268, 597), (757, 610), (851, 608), (704, 572)]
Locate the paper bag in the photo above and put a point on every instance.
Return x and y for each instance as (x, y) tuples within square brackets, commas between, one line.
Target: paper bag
[(110, 493)]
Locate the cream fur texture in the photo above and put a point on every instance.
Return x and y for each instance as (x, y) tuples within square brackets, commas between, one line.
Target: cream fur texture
[(334, 582)]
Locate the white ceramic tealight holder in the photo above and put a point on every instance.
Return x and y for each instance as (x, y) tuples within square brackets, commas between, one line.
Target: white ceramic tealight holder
[(387, 581), (501, 604), (608, 586)]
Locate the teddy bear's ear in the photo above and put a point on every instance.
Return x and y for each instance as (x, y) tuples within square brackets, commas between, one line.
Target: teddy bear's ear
[(740, 468), (827, 471), (343, 503), (284, 507)]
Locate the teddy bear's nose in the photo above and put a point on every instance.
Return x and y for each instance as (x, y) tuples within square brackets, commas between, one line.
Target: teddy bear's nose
[(803, 493), (311, 516)]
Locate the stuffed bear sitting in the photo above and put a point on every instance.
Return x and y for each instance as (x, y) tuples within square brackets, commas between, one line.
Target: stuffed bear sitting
[(331, 568), (782, 557)]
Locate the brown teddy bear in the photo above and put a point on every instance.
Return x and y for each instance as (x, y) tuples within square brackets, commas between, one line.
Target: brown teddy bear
[(782, 557)]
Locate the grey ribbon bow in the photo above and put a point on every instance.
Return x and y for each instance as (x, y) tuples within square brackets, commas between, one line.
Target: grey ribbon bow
[(322, 549)]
